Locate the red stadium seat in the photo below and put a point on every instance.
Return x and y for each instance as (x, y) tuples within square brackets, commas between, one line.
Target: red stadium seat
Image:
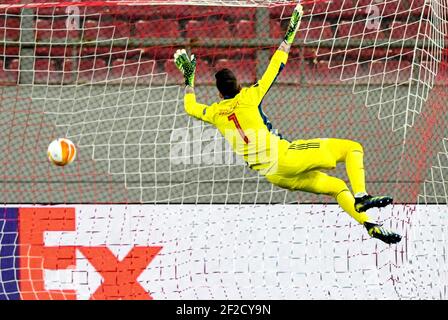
[(8, 75), (163, 11), (204, 73), (54, 51), (344, 29), (14, 65), (106, 30), (43, 29), (157, 29), (235, 13), (245, 70), (195, 12), (146, 67), (401, 53), (362, 54), (349, 70), (9, 28), (60, 30), (418, 3), (158, 53), (426, 28), (62, 54), (193, 29), (11, 11), (319, 73), (358, 29), (402, 30), (397, 30), (121, 29), (208, 29), (92, 70), (276, 30), (387, 8), (345, 10), (9, 51), (214, 54), (280, 11), (292, 73), (363, 3), (91, 30), (103, 52), (130, 70), (135, 12), (47, 29), (416, 7), (45, 71), (120, 69), (318, 8), (245, 29), (128, 11), (392, 8), (315, 29), (189, 12), (48, 11), (44, 64)]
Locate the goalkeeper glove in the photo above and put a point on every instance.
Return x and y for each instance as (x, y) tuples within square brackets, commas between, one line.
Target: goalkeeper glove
[(294, 24), (186, 65)]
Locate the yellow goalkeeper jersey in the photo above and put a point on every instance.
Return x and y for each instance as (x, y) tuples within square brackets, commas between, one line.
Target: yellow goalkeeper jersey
[(242, 122)]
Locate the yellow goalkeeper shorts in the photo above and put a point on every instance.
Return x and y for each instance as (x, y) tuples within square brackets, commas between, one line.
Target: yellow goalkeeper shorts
[(300, 163)]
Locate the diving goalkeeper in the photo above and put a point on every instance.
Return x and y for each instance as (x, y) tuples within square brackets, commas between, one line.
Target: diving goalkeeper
[(292, 165)]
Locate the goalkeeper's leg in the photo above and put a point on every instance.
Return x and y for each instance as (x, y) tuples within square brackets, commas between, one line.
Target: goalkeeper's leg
[(318, 154), (352, 154), (320, 183)]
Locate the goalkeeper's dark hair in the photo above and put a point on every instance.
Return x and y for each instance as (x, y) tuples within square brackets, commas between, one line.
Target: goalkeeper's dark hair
[(227, 83)]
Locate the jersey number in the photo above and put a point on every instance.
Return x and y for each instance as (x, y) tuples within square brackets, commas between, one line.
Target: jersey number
[(233, 118)]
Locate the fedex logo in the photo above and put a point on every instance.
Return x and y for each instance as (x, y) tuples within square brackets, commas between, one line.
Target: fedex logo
[(27, 263)]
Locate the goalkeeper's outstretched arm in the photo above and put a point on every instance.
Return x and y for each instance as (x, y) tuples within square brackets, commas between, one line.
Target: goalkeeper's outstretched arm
[(280, 57), (294, 24), (187, 65)]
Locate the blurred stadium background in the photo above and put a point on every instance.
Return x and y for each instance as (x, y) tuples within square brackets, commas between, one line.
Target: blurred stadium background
[(103, 76)]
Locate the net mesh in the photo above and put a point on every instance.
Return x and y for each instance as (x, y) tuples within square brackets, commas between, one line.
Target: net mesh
[(102, 75)]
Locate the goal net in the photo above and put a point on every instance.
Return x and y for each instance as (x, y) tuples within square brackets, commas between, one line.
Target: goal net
[(150, 178)]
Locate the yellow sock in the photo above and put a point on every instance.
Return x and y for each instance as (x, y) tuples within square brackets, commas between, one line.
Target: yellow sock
[(355, 171), (347, 203)]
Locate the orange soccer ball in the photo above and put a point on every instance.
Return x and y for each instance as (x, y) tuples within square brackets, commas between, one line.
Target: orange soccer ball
[(61, 152)]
